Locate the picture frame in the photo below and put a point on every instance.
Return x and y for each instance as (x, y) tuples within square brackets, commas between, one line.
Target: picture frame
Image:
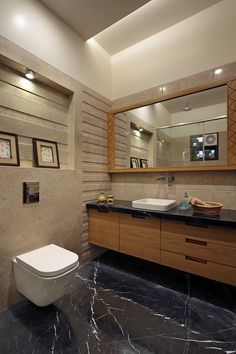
[(45, 153), (143, 163), (134, 162), (9, 149)]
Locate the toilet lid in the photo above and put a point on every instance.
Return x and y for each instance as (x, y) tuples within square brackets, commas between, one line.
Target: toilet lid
[(49, 260)]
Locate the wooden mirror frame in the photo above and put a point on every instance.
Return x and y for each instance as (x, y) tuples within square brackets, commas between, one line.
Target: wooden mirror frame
[(231, 130)]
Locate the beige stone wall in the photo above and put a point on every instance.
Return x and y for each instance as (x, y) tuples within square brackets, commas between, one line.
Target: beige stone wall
[(58, 108), (217, 186)]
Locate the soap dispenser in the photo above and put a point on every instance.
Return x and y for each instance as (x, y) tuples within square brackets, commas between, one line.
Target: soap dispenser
[(184, 204)]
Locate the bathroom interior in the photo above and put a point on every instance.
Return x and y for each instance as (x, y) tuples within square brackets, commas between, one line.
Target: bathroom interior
[(117, 176)]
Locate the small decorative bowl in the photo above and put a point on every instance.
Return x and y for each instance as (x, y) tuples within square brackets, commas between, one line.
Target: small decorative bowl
[(212, 208)]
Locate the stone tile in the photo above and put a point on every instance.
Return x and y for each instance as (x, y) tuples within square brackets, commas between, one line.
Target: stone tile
[(200, 180), (122, 304), (224, 180), (227, 198)]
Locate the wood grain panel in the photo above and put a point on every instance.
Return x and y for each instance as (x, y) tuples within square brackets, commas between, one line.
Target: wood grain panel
[(140, 237), (199, 248), (103, 229), (232, 122), (223, 273), (215, 234)]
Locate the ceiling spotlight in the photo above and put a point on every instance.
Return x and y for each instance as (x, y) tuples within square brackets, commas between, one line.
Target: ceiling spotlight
[(30, 74), (218, 71), (140, 129), (187, 107)]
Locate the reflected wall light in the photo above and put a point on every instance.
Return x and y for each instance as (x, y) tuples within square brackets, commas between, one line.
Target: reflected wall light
[(30, 74), (218, 71)]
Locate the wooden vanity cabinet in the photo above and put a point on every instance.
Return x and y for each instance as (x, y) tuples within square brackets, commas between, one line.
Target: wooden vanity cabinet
[(209, 251), (140, 237), (103, 229), (206, 250)]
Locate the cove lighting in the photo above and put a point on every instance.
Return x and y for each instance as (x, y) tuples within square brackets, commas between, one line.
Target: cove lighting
[(30, 74)]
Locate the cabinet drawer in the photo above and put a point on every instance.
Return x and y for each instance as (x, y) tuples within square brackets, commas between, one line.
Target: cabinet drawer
[(103, 229), (193, 246), (215, 234), (223, 273), (140, 237)]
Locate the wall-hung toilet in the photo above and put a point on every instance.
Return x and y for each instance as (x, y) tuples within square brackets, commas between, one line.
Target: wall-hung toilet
[(42, 275)]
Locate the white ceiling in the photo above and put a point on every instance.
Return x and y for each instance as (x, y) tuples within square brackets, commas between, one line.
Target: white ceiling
[(118, 24), (197, 100), (150, 19), (89, 17)]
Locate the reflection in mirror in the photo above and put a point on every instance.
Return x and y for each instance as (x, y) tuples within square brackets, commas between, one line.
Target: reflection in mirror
[(185, 131)]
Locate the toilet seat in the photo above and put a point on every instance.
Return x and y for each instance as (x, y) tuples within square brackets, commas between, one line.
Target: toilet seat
[(48, 261)]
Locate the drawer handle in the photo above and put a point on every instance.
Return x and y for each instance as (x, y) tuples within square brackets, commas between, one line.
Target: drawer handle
[(196, 242), (196, 224), (138, 216), (195, 259)]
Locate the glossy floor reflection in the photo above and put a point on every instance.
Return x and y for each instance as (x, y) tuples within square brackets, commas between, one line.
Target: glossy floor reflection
[(119, 304)]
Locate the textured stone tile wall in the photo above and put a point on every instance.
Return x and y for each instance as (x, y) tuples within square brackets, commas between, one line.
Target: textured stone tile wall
[(217, 186)]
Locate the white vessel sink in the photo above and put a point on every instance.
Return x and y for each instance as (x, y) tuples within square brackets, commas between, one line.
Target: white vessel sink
[(154, 204)]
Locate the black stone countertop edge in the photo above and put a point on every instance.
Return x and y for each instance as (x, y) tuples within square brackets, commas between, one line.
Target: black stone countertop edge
[(227, 217)]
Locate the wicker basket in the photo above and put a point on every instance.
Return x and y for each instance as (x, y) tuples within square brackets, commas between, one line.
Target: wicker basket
[(212, 208)]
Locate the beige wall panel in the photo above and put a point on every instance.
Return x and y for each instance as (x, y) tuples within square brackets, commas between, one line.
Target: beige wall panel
[(39, 89), (93, 167), (94, 149), (94, 111), (92, 186), (87, 157), (18, 103), (120, 139), (32, 130), (95, 140), (97, 122), (95, 177), (88, 128), (32, 97), (93, 101)]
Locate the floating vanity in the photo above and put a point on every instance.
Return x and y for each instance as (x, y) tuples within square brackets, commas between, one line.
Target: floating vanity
[(202, 245)]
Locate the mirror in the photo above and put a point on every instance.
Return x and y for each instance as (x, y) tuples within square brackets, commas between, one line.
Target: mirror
[(190, 130)]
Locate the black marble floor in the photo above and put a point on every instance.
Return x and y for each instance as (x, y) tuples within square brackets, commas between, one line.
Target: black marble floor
[(119, 304)]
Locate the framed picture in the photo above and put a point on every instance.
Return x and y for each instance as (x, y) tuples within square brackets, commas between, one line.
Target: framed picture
[(143, 163), (45, 153), (134, 162), (9, 149)]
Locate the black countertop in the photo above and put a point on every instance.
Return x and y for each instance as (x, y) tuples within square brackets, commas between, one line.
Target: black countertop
[(227, 217)]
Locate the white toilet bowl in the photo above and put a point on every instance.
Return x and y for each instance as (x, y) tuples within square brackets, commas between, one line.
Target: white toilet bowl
[(42, 275)]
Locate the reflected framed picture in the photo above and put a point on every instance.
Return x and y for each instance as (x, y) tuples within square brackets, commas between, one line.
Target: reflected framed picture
[(143, 163), (45, 153), (134, 163), (9, 149)]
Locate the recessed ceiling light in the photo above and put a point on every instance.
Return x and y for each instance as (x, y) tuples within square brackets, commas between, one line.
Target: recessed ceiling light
[(30, 74), (140, 129), (218, 71)]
